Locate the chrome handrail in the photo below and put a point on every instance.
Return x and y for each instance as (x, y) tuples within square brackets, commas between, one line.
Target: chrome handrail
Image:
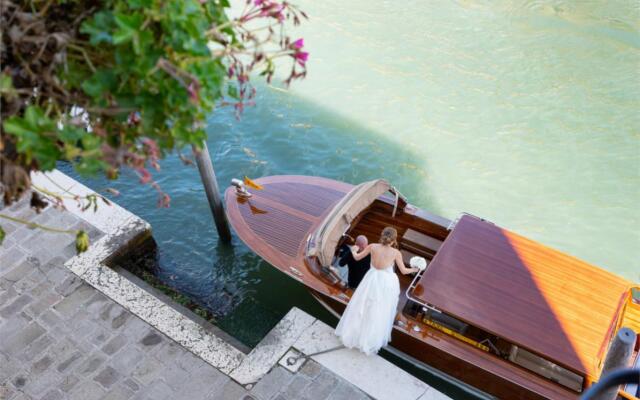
[(413, 286)]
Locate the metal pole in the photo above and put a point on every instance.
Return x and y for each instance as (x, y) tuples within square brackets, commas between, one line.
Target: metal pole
[(618, 357), (208, 176)]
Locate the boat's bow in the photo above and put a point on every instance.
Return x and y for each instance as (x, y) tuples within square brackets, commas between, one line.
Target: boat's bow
[(276, 221)]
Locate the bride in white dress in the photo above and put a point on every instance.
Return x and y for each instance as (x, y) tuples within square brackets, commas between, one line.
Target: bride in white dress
[(367, 322)]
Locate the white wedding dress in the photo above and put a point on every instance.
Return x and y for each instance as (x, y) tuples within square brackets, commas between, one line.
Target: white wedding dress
[(367, 322)]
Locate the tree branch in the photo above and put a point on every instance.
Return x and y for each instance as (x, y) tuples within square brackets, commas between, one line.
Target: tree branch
[(34, 225)]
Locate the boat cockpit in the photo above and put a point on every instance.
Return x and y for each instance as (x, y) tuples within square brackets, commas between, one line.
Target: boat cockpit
[(366, 210)]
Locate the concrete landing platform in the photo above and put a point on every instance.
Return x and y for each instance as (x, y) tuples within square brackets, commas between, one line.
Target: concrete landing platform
[(372, 374)]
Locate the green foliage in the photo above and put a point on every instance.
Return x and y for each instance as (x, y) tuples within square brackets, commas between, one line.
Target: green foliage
[(6, 86), (120, 83), (82, 241), (155, 51), (35, 134)]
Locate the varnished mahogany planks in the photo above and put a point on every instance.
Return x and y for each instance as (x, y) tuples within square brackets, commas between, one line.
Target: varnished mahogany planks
[(306, 198), (267, 224), (536, 297), (276, 221)]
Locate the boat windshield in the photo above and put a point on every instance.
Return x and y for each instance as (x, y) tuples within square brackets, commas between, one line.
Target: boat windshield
[(323, 241)]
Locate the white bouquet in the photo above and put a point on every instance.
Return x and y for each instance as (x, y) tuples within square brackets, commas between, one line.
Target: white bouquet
[(418, 262)]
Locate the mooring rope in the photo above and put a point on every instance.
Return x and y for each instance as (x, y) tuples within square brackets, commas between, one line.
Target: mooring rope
[(294, 359)]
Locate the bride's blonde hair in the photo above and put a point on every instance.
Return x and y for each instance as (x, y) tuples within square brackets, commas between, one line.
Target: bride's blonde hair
[(389, 236)]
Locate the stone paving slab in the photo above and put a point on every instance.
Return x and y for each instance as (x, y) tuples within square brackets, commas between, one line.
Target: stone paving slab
[(372, 374), (120, 227), (272, 347), (60, 338)]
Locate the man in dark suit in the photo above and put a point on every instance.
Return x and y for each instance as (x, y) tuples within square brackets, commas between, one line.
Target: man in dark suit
[(357, 269)]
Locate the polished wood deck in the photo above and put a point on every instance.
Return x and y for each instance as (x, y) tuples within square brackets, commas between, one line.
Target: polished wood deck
[(276, 221), (545, 301)]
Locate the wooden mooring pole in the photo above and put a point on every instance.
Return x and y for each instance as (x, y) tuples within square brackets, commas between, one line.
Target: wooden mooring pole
[(208, 176), (618, 356)]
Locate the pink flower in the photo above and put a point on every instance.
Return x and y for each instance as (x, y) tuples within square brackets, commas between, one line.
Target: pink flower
[(164, 201), (273, 10), (301, 57), (145, 176), (134, 118), (152, 147), (298, 44), (193, 90)]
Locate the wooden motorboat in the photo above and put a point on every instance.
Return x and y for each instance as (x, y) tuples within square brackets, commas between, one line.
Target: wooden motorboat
[(493, 309)]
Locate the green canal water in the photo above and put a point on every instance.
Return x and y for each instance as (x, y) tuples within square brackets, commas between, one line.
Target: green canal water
[(523, 112)]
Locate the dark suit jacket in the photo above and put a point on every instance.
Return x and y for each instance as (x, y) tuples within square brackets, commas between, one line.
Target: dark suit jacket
[(357, 269)]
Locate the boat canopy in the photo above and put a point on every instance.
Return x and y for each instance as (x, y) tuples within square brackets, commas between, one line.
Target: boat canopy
[(538, 298), (324, 240)]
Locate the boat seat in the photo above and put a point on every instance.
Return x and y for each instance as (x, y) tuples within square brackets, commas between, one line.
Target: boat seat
[(419, 243)]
